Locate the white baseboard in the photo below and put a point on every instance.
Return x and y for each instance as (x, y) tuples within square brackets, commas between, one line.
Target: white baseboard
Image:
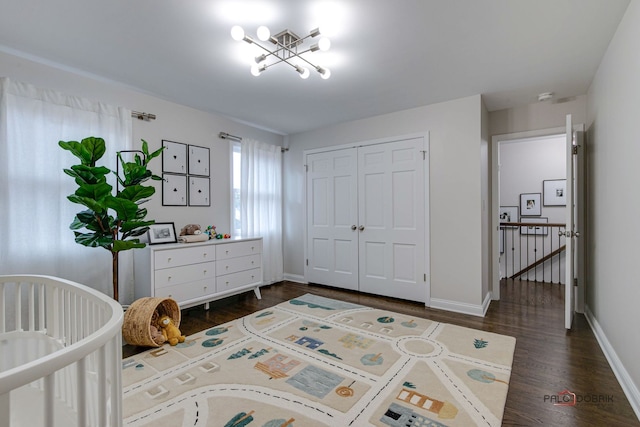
[(462, 307), (298, 278), (630, 389)]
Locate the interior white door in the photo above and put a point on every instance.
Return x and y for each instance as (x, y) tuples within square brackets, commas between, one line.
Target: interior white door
[(332, 237), (391, 226), (570, 230)]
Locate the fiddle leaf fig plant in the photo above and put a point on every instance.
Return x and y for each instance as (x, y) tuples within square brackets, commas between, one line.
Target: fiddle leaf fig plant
[(110, 221)]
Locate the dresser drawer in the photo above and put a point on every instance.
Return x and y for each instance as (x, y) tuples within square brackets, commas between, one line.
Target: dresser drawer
[(185, 274), (183, 256), (233, 265), (187, 291), (236, 249), (236, 280)]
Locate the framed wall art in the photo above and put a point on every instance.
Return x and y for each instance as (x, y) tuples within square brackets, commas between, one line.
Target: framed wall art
[(508, 214), (554, 192), (530, 204), (174, 157), (174, 190), (537, 229), (198, 160), (199, 193), (162, 232)]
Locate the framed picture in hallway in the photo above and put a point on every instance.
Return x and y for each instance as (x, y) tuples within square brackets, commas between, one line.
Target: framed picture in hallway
[(509, 214), (535, 227), (530, 204), (554, 192)]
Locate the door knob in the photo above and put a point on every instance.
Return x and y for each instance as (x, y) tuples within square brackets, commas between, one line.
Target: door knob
[(361, 228), (353, 227)]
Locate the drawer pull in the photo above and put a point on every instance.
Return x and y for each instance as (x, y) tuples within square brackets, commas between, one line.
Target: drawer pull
[(251, 247), (226, 267), (204, 272), (168, 278), (204, 255), (169, 259), (226, 252), (252, 276), (226, 283), (252, 262)]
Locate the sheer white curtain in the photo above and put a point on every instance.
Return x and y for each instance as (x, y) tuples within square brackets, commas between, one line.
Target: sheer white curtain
[(34, 211), (261, 202)]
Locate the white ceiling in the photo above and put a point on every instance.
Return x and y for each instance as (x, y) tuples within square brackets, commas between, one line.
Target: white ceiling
[(385, 56)]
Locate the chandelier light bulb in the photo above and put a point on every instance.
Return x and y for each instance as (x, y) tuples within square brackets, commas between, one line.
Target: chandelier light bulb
[(304, 73), (326, 74), (263, 33), (237, 33), (324, 44), (256, 70)]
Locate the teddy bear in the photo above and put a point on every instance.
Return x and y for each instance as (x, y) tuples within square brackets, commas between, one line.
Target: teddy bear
[(170, 331), (190, 229), (156, 335)]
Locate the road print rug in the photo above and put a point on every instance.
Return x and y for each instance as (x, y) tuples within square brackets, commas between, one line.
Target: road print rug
[(315, 361)]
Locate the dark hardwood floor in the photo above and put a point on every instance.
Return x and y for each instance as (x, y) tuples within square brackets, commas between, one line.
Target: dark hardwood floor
[(548, 359)]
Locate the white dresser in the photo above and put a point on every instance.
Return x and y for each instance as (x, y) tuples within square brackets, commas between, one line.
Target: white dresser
[(196, 273)]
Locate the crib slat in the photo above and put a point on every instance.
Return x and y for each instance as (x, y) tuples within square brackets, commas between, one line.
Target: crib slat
[(3, 314), (81, 389), (49, 395), (31, 308), (18, 306)]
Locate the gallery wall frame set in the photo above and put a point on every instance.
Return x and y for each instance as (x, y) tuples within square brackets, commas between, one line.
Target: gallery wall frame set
[(185, 175)]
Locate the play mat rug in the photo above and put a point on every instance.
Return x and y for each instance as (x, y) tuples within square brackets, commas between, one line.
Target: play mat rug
[(315, 361)]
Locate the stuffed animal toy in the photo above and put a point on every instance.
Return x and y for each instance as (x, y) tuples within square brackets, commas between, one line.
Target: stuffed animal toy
[(190, 229), (170, 331), (156, 335)]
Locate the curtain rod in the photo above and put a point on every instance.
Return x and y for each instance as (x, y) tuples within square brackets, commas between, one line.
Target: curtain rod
[(225, 135), (143, 116)]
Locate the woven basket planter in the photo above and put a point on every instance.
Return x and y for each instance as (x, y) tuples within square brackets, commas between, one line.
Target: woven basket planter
[(144, 312)]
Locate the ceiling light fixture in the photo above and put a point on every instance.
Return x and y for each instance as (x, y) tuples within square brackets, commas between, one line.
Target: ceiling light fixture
[(286, 50), (545, 96)]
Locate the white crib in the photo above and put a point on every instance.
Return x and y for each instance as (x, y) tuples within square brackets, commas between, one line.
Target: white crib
[(60, 354)]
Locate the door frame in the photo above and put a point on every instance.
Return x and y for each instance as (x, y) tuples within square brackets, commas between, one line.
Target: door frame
[(427, 221), (496, 140)]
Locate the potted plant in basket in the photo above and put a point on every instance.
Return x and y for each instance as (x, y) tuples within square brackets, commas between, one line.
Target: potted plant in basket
[(110, 221)]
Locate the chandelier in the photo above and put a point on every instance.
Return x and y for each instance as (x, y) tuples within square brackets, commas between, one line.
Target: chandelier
[(287, 47)]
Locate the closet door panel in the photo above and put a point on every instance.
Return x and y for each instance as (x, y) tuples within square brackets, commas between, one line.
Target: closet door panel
[(391, 209), (332, 245)]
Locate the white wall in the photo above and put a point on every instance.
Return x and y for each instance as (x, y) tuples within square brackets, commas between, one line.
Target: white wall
[(455, 190), (613, 156), (174, 122)]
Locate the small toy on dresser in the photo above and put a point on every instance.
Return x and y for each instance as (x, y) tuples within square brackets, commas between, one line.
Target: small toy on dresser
[(211, 231), (213, 234)]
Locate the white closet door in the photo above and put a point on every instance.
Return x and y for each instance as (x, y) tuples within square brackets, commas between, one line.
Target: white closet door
[(392, 219), (332, 237)]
